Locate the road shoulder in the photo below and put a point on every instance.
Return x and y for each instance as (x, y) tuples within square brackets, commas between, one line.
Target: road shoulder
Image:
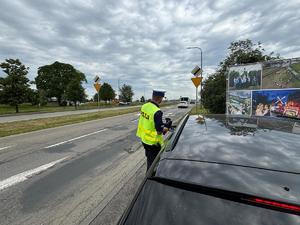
[(113, 211)]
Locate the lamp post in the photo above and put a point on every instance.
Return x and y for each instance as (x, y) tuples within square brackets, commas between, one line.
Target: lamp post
[(195, 47)]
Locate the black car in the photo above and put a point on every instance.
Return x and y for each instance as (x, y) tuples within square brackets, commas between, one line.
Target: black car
[(220, 170)]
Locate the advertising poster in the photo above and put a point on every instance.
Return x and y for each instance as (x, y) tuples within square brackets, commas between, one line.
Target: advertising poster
[(239, 103), (245, 77), (284, 102), (281, 74)]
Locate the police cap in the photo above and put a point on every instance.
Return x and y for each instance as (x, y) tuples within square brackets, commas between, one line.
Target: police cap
[(159, 93)]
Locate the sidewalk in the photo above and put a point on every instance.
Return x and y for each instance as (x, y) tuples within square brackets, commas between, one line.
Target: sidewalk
[(13, 118)]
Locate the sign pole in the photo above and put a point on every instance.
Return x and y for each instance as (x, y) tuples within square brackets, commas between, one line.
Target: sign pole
[(196, 81), (97, 86), (196, 100), (98, 105)]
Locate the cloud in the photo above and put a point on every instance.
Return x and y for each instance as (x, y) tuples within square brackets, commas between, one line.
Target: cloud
[(142, 43)]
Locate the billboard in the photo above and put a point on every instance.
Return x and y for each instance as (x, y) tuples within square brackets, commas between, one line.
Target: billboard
[(282, 102), (245, 77), (239, 103), (281, 74), (270, 88)]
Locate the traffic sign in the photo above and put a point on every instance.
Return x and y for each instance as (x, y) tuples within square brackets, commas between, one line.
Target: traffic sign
[(97, 87), (196, 71), (96, 79), (196, 81)]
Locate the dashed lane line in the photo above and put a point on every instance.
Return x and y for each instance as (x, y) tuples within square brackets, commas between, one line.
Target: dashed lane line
[(5, 147), (73, 139), (27, 174)]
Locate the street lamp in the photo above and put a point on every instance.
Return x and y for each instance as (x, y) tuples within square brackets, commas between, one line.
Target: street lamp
[(195, 47)]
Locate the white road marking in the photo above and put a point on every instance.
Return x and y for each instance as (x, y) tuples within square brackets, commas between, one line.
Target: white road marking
[(134, 120), (73, 139), (27, 174), (5, 147)]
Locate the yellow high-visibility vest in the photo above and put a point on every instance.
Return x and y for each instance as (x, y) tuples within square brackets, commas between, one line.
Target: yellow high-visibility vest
[(146, 127)]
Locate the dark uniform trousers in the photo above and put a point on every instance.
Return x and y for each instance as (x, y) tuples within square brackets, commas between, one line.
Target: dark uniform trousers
[(151, 152)]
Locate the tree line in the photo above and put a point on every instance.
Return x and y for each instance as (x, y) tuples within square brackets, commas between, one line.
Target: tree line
[(59, 80)]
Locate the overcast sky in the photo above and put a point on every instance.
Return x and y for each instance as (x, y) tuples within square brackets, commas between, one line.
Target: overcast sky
[(142, 43)]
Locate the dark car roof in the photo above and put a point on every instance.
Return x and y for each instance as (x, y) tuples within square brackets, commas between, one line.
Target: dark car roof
[(256, 156), (263, 143)]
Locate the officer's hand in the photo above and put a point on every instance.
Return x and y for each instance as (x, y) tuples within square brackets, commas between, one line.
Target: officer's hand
[(165, 130), (168, 123)]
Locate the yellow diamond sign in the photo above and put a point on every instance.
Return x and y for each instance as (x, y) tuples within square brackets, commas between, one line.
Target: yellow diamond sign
[(196, 81), (97, 86)]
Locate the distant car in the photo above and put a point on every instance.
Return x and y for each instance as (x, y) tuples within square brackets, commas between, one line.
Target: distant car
[(183, 104), (123, 103), (193, 102), (219, 170)]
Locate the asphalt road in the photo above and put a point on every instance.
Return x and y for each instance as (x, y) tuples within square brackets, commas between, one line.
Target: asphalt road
[(14, 117), (75, 174)]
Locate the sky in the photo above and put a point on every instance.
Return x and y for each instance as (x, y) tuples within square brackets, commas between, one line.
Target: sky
[(143, 43)]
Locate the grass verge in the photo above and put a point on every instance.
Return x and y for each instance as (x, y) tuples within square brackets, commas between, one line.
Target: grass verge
[(200, 110), (29, 109), (11, 128)]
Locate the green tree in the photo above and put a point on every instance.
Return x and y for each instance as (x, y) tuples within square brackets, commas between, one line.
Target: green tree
[(2, 99), (75, 92), (33, 96), (126, 93), (15, 86), (245, 51), (142, 99), (42, 97), (106, 92), (213, 95), (55, 78)]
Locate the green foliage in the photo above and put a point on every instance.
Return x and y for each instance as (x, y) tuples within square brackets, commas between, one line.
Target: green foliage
[(32, 97), (42, 97), (245, 51), (106, 92), (142, 99), (126, 93), (296, 67), (214, 94), (75, 92), (15, 86), (214, 87), (54, 79)]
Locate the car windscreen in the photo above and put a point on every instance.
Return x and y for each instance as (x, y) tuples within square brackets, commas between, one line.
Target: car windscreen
[(161, 204)]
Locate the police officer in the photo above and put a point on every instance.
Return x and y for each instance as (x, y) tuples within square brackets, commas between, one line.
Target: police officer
[(151, 127)]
